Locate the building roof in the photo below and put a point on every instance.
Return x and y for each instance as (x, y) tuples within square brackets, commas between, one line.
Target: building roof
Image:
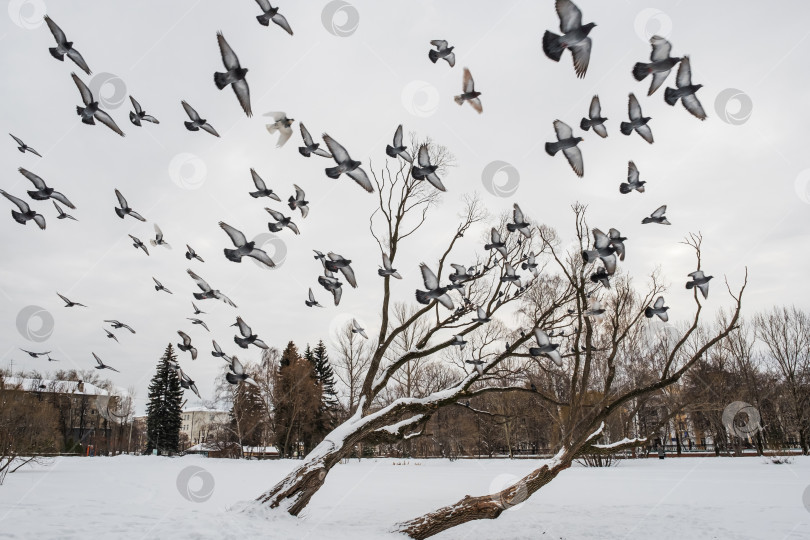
[(203, 409), (49, 385)]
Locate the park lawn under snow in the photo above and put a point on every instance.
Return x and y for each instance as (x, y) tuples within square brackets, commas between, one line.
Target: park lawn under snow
[(138, 497)]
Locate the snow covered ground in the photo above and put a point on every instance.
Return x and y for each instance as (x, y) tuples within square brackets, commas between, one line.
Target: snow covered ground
[(138, 497)]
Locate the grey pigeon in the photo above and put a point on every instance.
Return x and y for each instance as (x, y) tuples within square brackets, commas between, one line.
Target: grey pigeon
[(62, 214), (25, 214), (496, 242), (442, 51), (658, 308), (64, 47), (458, 341), (545, 347), (299, 201), (481, 316), (312, 302), (633, 182), (70, 303), (338, 263), (310, 147), (661, 63), (158, 239), (617, 242), (217, 352), (345, 164), (461, 273), (601, 250), (237, 373), (399, 149), (638, 121), (159, 286), (243, 247), (35, 354), (281, 124), (595, 119), (331, 284), (281, 222), (186, 346), (187, 383), (137, 244), (234, 76), (125, 210), (468, 93), (197, 310), (207, 291), (139, 115), (602, 277), (319, 255), (530, 264), (117, 324), (574, 37), (657, 217), (43, 192), (568, 144), (425, 170), (357, 329), (191, 254), (509, 274), (102, 365), (271, 14), (199, 322), (520, 224), (22, 147), (479, 365), (434, 291), (197, 123), (685, 91), (386, 269), (261, 187), (110, 334), (701, 281), (91, 111), (248, 337)]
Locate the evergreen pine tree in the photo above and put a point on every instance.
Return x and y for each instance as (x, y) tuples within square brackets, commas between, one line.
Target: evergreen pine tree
[(325, 376), (296, 403), (164, 409)]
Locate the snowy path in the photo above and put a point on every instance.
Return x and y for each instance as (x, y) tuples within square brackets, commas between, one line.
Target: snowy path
[(132, 497)]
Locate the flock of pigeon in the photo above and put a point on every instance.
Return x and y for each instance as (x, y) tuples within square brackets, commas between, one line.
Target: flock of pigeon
[(607, 248)]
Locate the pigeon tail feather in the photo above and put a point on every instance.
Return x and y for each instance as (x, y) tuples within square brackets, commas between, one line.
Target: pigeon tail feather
[(640, 71), (232, 255), (221, 80), (333, 172), (551, 46), (552, 148), (433, 55), (626, 128), (56, 54), (422, 297), (670, 97)]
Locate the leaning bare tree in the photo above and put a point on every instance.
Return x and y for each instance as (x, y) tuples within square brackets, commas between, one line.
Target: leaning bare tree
[(596, 378)]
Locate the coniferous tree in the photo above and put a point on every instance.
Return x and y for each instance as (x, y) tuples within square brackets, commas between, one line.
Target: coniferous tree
[(164, 409), (247, 415), (296, 402), (329, 408)]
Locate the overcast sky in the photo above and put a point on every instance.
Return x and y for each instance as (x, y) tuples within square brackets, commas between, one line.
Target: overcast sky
[(742, 177)]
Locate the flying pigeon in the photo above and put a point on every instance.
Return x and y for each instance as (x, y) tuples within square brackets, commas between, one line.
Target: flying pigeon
[(595, 309), (496, 243), (70, 303), (602, 277), (658, 308), (458, 341), (468, 93), (281, 222), (338, 263), (217, 352), (22, 147), (248, 337), (319, 255), (386, 269), (520, 224), (43, 192), (461, 273), (137, 244), (701, 281), (234, 76), (481, 316), (191, 254), (331, 284), (434, 291), (399, 149), (110, 334), (62, 214), (345, 164), (637, 122), (299, 201), (633, 182), (102, 365), (657, 217), (35, 354), (159, 286), (312, 302), (601, 250), (158, 239), (52, 359), (197, 310), (357, 329), (479, 365), (186, 345), (575, 37), (595, 119), (272, 14), (64, 47), (442, 51), (659, 67), (25, 214), (117, 324), (426, 171), (617, 242), (237, 373), (509, 273), (197, 123), (91, 111), (530, 264), (187, 383), (139, 115), (243, 247), (281, 124), (310, 147), (207, 292), (685, 91), (198, 321), (125, 210), (545, 347), (568, 144)]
